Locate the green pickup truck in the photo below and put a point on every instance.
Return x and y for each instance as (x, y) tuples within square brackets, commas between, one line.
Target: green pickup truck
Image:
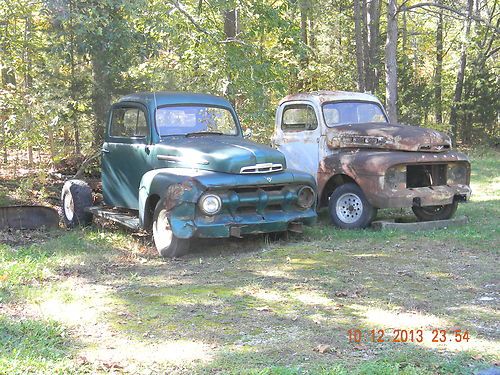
[(179, 165)]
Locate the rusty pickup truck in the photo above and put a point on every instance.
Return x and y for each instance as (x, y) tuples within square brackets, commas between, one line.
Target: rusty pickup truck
[(362, 162)]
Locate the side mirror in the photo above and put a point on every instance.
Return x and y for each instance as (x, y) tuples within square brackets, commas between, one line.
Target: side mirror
[(248, 133)]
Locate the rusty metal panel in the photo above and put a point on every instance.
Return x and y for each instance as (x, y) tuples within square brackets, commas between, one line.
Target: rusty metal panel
[(28, 217)]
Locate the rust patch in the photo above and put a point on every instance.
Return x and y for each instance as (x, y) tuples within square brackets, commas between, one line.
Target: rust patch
[(388, 137), (175, 193), (368, 168)]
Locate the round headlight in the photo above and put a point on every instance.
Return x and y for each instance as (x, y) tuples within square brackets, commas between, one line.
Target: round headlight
[(306, 197), (210, 204)]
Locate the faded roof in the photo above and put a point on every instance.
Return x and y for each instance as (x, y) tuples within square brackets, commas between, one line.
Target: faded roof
[(330, 96), (174, 97)]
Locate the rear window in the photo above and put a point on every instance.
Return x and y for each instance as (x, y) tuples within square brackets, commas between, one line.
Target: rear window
[(299, 117)]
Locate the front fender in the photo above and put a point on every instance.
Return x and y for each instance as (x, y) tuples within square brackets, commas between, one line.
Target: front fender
[(171, 189)]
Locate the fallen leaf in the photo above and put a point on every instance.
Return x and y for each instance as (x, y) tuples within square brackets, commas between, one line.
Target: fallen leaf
[(323, 348), (111, 365), (263, 308)]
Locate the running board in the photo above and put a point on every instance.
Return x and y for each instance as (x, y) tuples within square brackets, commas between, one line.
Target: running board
[(127, 220)]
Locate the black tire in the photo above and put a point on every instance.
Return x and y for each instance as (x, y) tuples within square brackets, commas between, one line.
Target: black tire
[(432, 213), (349, 208), (76, 198), (167, 244)]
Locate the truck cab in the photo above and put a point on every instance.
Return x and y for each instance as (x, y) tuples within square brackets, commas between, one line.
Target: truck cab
[(362, 162), (178, 164)]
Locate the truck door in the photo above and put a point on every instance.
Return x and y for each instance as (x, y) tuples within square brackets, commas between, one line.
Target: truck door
[(125, 155), (297, 135)]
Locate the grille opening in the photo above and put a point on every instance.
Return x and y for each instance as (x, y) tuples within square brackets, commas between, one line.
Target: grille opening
[(434, 147), (274, 207), (254, 189), (246, 209), (423, 175)]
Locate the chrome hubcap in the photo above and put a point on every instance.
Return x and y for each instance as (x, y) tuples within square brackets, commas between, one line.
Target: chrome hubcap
[(69, 206), (349, 208)]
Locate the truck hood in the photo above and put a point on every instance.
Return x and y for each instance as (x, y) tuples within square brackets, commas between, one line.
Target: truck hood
[(388, 136), (228, 154)]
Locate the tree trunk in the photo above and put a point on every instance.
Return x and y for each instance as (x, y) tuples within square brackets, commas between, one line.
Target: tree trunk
[(101, 94), (28, 83), (230, 23), (457, 97), (439, 70), (358, 30), (366, 47), (73, 93), (230, 31), (391, 74), (373, 35), (304, 58)]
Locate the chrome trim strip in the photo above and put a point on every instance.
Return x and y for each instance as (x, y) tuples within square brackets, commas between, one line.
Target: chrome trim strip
[(176, 159)]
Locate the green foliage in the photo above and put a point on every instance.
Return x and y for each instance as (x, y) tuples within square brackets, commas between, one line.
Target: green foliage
[(63, 62)]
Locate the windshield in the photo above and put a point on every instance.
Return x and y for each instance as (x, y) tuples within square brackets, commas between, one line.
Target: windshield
[(195, 119), (352, 113)]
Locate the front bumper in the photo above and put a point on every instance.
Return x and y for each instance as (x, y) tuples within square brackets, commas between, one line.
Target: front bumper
[(226, 225), (421, 196)]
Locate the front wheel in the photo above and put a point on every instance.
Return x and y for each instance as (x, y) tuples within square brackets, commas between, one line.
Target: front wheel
[(349, 208), (167, 244), (432, 213)]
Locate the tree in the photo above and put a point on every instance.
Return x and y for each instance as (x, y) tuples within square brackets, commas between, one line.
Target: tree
[(391, 80), (457, 97)]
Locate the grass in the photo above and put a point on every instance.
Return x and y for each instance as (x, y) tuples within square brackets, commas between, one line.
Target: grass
[(99, 300)]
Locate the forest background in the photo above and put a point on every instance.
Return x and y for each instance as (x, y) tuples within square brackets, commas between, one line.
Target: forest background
[(63, 62)]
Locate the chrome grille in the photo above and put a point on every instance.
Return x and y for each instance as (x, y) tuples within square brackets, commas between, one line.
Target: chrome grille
[(261, 168)]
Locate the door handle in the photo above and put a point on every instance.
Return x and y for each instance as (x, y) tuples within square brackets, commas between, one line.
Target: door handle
[(105, 150)]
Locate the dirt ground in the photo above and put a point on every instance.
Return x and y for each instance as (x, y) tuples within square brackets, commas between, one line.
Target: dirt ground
[(260, 306)]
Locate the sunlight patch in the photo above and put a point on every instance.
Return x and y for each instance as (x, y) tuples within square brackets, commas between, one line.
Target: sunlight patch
[(312, 298), (123, 351), (395, 319), (267, 295)]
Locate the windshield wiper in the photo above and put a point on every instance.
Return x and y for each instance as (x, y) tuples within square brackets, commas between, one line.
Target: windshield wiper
[(203, 133)]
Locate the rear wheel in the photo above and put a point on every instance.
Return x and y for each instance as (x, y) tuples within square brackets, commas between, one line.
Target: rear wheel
[(167, 244), (432, 213), (349, 208), (76, 197)]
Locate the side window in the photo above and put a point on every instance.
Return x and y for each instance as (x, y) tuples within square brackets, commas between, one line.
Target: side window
[(299, 117), (128, 123)]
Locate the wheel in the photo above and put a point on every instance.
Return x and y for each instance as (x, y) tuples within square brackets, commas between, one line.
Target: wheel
[(76, 197), (167, 244), (431, 213), (349, 208)]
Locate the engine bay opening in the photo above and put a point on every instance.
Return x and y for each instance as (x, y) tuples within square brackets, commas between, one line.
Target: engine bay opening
[(424, 175)]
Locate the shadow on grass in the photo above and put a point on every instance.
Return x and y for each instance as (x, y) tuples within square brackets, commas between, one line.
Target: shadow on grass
[(254, 306)]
